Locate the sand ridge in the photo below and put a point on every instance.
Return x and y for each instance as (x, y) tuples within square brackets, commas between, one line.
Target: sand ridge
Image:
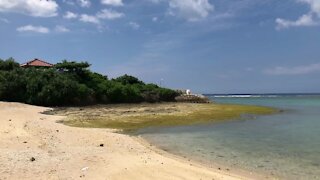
[(62, 152)]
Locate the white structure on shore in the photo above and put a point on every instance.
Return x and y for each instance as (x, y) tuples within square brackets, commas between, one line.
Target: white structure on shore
[(188, 92), (187, 96)]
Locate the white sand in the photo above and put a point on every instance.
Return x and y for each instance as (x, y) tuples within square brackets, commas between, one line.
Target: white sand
[(63, 152)]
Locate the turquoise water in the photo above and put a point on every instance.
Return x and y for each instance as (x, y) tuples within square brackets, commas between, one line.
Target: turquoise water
[(285, 145)]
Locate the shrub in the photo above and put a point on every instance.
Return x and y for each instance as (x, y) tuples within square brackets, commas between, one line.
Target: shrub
[(128, 80), (8, 64)]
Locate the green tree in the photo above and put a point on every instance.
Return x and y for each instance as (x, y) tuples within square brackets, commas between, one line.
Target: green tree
[(72, 83), (72, 66), (126, 79), (8, 65)]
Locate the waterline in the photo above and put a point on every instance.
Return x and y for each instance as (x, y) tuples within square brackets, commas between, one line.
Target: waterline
[(284, 145)]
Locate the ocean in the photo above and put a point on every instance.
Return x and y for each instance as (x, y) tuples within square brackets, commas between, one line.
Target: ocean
[(284, 145)]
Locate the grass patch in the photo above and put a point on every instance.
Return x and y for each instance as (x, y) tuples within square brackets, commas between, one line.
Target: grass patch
[(136, 116)]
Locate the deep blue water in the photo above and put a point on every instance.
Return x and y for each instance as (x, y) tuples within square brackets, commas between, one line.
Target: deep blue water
[(285, 145)]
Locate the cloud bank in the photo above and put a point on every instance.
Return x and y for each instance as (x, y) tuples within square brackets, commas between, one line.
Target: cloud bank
[(70, 15), (36, 8), (84, 3), (103, 14), (112, 2), (31, 28), (311, 18), (89, 19), (191, 10), (109, 14)]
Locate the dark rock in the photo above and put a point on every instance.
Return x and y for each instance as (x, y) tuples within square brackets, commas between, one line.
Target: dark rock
[(25, 142), (101, 145), (32, 159), (192, 99)]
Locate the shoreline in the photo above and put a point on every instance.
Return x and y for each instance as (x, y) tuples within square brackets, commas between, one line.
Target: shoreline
[(35, 146), (217, 167)]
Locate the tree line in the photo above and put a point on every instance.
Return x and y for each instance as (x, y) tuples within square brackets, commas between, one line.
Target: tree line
[(72, 83)]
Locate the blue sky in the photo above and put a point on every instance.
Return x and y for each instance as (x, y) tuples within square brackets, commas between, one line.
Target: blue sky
[(209, 46)]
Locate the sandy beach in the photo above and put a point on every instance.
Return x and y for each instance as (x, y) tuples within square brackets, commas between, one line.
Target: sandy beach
[(34, 146)]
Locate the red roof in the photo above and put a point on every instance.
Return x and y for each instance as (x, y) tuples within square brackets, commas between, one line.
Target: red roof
[(36, 63)]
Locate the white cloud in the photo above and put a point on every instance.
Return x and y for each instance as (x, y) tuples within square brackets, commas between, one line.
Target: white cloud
[(109, 14), (309, 19), (298, 70), (61, 29), (304, 20), (191, 10), (112, 2), (134, 25), (84, 3), (89, 19), (36, 8), (314, 5), (70, 15), (104, 14), (30, 28)]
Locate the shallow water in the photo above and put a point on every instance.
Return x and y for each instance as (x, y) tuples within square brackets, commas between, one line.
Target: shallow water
[(285, 145)]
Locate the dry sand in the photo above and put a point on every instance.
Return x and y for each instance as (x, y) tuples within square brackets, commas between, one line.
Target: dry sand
[(62, 152)]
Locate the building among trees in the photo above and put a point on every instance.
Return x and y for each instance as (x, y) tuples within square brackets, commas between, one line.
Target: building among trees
[(36, 63)]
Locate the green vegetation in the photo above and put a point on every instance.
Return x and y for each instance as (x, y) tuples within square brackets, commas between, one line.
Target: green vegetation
[(72, 83), (132, 117)]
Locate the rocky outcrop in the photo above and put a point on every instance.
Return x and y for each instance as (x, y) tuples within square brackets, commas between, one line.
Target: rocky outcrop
[(193, 98)]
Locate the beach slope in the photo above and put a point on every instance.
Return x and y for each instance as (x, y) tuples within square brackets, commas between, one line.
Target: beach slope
[(34, 146)]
